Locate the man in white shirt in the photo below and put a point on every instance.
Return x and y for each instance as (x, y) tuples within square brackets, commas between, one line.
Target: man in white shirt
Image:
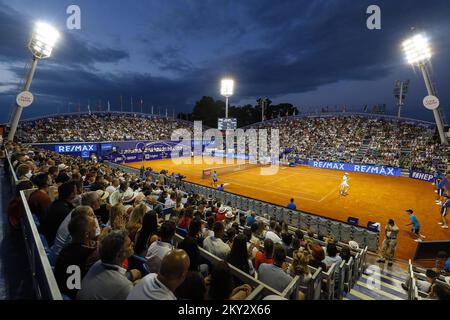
[(215, 244), (161, 286), (273, 233), (160, 248)]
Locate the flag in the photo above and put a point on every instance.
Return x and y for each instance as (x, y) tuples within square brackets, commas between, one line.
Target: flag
[(365, 108), (131, 104), (89, 107), (78, 106), (152, 109), (109, 107), (142, 104)]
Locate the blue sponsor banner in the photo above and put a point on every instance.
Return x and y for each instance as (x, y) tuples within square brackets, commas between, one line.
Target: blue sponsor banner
[(421, 176), (75, 148), (301, 161), (387, 171), (133, 157), (107, 147)]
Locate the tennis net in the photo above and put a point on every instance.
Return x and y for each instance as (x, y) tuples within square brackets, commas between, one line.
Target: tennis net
[(207, 173)]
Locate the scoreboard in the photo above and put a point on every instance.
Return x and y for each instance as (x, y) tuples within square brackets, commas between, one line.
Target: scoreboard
[(227, 124)]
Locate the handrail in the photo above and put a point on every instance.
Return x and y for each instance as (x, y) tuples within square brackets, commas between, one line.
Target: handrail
[(240, 274), (38, 255)]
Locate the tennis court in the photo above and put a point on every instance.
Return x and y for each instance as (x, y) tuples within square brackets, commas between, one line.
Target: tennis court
[(371, 197)]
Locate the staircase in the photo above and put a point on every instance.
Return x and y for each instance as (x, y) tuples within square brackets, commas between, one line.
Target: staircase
[(362, 150), (379, 282)]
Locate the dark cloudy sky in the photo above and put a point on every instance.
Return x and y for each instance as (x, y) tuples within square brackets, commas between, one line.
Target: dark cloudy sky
[(171, 53)]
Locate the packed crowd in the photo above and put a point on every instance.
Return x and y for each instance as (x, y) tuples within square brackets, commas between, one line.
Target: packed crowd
[(100, 217), (98, 127), (339, 139)]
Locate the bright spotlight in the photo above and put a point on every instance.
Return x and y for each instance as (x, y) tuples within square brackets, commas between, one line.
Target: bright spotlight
[(227, 87), (43, 40), (417, 49)]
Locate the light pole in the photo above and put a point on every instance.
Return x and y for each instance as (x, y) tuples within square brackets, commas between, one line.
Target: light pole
[(400, 91), (227, 90), (418, 52), (41, 46)]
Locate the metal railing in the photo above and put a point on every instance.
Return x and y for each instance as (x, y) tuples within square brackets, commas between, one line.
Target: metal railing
[(44, 281)]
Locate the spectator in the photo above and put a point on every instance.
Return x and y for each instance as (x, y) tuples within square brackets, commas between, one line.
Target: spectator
[(332, 256), (106, 280), (300, 268), (345, 253), (147, 234), (317, 257), (135, 221), (215, 244), (266, 256), (160, 248), (274, 275), (117, 218), (286, 239), (15, 206), (82, 251), (193, 287), (162, 285), (185, 221), (239, 256), (221, 284), (291, 205), (274, 231), (39, 200), (62, 235), (251, 218), (58, 211)]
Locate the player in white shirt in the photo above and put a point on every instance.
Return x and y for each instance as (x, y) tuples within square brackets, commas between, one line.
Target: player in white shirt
[(343, 189)]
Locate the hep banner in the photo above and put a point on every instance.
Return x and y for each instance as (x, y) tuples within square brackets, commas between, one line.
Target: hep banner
[(421, 176), (387, 171)]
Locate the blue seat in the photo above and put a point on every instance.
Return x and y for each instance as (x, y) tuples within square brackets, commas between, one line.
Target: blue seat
[(36, 220), (49, 252), (142, 262), (181, 232)]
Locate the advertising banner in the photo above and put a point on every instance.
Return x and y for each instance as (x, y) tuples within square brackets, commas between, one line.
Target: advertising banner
[(387, 171)]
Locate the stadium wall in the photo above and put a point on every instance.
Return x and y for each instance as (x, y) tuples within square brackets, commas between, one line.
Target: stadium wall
[(116, 152)]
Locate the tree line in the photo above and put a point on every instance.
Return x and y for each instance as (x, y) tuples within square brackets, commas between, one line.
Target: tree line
[(209, 110)]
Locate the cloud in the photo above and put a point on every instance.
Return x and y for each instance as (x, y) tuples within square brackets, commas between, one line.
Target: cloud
[(271, 49), (71, 49)]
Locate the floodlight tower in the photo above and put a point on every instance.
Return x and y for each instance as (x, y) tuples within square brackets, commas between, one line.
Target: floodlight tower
[(400, 91), (418, 52), (41, 46), (227, 90)]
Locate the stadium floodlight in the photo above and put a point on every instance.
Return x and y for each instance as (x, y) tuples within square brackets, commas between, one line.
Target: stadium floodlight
[(43, 40), (418, 52), (417, 49), (227, 90), (41, 45)]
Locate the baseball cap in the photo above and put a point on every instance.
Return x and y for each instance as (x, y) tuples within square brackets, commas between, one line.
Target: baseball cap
[(409, 211)]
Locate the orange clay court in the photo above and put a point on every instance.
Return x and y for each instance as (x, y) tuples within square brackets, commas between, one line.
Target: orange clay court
[(371, 197)]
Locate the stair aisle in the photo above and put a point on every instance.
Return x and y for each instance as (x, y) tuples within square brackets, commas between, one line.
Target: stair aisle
[(377, 283)]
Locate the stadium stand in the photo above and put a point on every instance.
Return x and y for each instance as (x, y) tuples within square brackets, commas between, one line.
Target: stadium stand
[(99, 127), (387, 141), (338, 281)]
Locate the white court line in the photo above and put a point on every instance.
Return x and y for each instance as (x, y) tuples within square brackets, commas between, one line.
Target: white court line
[(328, 194), (285, 188), (282, 193), (282, 178)]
